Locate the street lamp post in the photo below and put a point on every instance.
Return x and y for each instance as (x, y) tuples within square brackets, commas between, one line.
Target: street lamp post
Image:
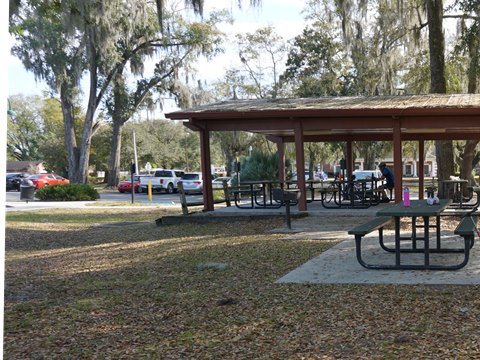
[(135, 152)]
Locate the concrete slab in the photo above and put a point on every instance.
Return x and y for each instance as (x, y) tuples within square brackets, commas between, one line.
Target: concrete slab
[(339, 265)]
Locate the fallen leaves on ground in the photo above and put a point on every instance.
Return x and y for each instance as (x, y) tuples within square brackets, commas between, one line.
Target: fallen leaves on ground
[(74, 291)]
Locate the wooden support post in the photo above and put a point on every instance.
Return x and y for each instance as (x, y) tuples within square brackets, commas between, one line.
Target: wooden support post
[(421, 169), (300, 157), (226, 191), (350, 165), (183, 198), (206, 170), (281, 160), (397, 159)]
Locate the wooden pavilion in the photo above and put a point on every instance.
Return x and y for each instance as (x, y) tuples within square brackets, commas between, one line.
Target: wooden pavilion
[(347, 119)]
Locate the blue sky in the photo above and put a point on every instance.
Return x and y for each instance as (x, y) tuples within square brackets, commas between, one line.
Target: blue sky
[(283, 14)]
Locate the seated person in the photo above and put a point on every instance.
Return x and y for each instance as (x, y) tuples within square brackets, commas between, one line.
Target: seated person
[(387, 175)]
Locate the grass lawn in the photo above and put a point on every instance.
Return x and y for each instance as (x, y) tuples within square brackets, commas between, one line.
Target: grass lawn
[(76, 290)]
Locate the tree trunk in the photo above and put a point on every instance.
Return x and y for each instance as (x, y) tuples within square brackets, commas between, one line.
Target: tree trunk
[(444, 155), (369, 156), (229, 163), (436, 42), (474, 62), (120, 115), (84, 158), (469, 153), (70, 139), (114, 161), (438, 84), (466, 169)]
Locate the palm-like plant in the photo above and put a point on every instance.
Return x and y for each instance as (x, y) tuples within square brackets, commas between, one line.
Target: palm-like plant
[(260, 166)]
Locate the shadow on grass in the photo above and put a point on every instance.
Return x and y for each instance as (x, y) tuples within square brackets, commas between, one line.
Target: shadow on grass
[(154, 288), (88, 215), (83, 263), (47, 231)]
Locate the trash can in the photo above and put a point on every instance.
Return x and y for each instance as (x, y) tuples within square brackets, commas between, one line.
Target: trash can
[(286, 197), (27, 190)]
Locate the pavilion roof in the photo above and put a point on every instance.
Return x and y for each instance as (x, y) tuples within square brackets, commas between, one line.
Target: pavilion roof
[(432, 116), (343, 103)]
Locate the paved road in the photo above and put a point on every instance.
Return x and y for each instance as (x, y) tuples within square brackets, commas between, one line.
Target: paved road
[(13, 201)]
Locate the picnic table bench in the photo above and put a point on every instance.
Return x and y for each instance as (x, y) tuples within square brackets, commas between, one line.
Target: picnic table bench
[(359, 231), (246, 191), (258, 192), (467, 229), (475, 190), (327, 194)]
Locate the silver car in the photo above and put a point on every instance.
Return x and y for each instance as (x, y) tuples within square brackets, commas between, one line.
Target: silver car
[(367, 175), (192, 182), (218, 182)]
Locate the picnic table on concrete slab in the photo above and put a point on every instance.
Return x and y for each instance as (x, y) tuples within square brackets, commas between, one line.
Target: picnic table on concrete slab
[(310, 185), (353, 194), (261, 194), (420, 209)]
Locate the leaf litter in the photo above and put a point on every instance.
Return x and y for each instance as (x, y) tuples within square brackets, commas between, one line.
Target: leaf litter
[(73, 291)]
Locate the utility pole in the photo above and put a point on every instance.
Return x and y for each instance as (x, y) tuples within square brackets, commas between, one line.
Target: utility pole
[(135, 154)]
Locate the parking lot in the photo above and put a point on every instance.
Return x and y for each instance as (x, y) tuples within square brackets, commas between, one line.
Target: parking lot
[(115, 196)]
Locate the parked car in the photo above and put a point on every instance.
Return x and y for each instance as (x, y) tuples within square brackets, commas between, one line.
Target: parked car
[(15, 179), (162, 180), (42, 180), (218, 182), (192, 182), (307, 176), (366, 174), (126, 185)]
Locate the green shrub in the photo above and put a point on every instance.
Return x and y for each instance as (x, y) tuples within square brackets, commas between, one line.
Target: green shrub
[(69, 192), (259, 166), (218, 195)]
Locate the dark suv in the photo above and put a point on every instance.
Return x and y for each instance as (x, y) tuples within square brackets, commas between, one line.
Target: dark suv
[(15, 179)]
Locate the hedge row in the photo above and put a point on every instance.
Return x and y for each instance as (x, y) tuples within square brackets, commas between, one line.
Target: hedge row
[(69, 192)]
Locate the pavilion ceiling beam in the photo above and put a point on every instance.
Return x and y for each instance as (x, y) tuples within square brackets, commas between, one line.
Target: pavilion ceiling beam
[(397, 160), (249, 125), (386, 137), (420, 125)]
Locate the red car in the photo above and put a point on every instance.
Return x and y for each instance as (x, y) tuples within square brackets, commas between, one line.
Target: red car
[(126, 185), (42, 180)]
